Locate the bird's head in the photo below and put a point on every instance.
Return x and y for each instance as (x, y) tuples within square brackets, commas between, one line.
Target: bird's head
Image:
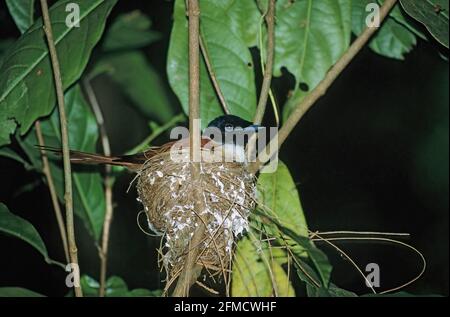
[(231, 127), (232, 133)]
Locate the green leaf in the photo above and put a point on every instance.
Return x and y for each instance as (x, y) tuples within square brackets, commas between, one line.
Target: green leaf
[(278, 192), (129, 31), (22, 12), (431, 13), (244, 18), (115, 287), (230, 59), (20, 228), (89, 200), (310, 37), (394, 39), (140, 82), (26, 85), (18, 292), (251, 276)]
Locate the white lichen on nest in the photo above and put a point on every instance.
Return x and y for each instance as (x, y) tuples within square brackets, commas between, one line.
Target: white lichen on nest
[(166, 189)]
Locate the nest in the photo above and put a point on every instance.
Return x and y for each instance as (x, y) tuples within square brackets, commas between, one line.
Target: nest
[(168, 191)]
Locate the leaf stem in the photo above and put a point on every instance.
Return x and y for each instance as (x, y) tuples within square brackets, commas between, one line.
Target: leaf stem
[(108, 181), (302, 108), (73, 251), (268, 72), (213, 77), (51, 186)]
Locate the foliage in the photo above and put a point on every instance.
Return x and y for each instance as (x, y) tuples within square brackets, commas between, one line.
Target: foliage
[(311, 35)]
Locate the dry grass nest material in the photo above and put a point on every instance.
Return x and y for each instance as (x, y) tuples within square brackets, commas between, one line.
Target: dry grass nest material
[(166, 190)]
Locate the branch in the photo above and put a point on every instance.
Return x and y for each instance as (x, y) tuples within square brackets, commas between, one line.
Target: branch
[(51, 186), (191, 270), (73, 252), (108, 181), (301, 109), (213, 77), (265, 90)]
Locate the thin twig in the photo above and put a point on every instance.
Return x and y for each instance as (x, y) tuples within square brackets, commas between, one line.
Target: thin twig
[(108, 181), (213, 77), (73, 251), (301, 109), (270, 20), (191, 269), (51, 186)]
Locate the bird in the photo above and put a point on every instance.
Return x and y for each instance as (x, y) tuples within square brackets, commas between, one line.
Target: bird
[(228, 133)]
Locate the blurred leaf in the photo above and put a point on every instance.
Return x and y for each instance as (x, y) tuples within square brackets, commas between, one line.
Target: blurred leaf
[(140, 82), (115, 287), (89, 286), (230, 59), (251, 276), (26, 85), (310, 37), (20, 228), (431, 13), (89, 200), (393, 40), (332, 291), (277, 191), (129, 31), (22, 12), (18, 292)]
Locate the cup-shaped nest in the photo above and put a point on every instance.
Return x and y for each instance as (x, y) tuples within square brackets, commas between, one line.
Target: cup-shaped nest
[(169, 194)]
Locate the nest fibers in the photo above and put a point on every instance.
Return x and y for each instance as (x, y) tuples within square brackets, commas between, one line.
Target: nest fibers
[(167, 190)]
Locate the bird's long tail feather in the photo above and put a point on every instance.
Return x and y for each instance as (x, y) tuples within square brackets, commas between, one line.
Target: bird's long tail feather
[(130, 161)]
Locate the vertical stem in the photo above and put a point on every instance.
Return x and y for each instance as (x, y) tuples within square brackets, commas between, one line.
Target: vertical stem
[(108, 182), (191, 270), (73, 251), (51, 186), (262, 103)]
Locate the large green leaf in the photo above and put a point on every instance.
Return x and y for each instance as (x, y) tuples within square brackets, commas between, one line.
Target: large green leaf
[(89, 200), (20, 228), (230, 59), (140, 82), (310, 37), (22, 12), (115, 287), (129, 31), (26, 85), (431, 13), (244, 18), (278, 193), (251, 275), (18, 292), (395, 37)]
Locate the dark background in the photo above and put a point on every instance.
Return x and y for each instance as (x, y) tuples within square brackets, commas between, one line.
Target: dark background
[(372, 155)]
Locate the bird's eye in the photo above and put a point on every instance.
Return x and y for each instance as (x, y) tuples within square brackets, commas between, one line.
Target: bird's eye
[(228, 127)]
